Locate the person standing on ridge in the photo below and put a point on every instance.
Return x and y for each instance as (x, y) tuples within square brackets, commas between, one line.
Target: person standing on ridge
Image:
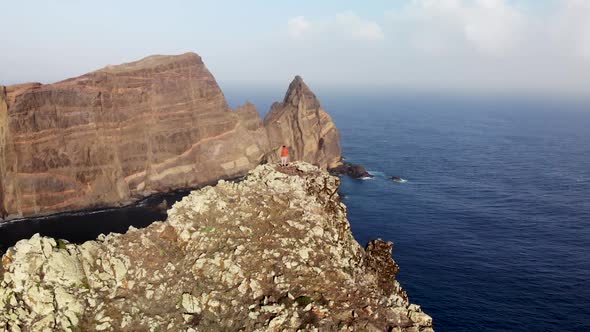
[(285, 156)]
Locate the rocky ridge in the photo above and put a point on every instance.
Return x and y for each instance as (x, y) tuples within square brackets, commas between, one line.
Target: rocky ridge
[(124, 132), (273, 252)]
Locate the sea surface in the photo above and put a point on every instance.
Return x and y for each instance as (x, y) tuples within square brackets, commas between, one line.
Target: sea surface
[(491, 228)]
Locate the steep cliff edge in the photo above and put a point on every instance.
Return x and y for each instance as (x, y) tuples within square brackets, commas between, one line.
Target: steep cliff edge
[(124, 132), (3, 135), (273, 252)]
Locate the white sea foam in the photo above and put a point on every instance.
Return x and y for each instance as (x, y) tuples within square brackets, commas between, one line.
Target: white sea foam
[(400, 180), (377, 174)]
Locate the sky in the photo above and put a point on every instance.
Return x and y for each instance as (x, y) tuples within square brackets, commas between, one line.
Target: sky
[(467, 46)]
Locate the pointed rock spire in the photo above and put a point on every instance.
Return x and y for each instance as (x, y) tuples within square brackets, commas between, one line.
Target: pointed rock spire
[(300, 123), (298, 91)]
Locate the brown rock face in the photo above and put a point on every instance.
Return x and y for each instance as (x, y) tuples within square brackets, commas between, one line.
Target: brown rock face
[(300, 123), (124, 132), (3, 132)]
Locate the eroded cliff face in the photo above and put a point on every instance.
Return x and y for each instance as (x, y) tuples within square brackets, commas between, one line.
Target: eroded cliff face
[(273, 252), (121, 133), (3, 134), (304, 126)]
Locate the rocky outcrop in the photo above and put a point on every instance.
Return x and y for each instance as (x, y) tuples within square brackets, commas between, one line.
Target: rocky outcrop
[(302, 124), (124, 132), (273, 252), (354, 171)]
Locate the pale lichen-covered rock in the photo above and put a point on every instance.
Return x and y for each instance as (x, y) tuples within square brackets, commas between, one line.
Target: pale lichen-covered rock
[(273, 252), (191, 304)]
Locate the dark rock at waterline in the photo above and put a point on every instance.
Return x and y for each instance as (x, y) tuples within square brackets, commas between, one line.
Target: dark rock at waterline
[(163, 206), (352, 170)]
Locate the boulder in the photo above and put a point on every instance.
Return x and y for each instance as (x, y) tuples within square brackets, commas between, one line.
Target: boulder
[(352, 170)]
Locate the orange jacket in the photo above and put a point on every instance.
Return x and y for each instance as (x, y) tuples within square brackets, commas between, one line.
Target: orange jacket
[(285, 152)]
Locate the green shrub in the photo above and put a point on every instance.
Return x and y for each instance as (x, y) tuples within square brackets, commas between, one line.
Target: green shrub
[(61, 244), (303, 300)]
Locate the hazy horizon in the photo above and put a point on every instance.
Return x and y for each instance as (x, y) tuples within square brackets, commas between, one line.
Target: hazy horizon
[(487, 47)]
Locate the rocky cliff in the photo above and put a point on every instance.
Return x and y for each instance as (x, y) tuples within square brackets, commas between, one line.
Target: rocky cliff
[(273, 252), (121, 133), (301, 123)]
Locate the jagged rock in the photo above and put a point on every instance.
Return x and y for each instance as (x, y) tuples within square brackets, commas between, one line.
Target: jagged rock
[(118, 134), (354, 171), (228, 257), (378, 259), (63, 268), (300, 123), (191, 304)]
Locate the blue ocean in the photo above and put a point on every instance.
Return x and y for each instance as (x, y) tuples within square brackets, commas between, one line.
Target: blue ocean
[(492, 228)]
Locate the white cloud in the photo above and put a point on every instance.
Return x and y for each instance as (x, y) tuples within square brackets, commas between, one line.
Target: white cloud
[(484, 45), (355, 27), (492, 27), (298, 27), (570, 27), (341, 26)]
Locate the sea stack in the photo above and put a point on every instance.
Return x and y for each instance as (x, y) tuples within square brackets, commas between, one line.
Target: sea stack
[(301, 123), (124, 132)]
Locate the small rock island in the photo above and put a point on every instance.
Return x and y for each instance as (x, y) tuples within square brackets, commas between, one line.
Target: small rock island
[(273, 252)]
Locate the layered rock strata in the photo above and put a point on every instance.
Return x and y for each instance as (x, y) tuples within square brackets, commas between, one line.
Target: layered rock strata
[(273, 252), (124, 132)]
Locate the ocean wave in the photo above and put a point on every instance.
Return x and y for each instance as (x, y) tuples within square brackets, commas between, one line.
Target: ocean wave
[(398, 181), (379, 174), (376, 173)]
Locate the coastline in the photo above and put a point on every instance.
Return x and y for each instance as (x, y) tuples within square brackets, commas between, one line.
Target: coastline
[(274, 251), (32, 225)]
